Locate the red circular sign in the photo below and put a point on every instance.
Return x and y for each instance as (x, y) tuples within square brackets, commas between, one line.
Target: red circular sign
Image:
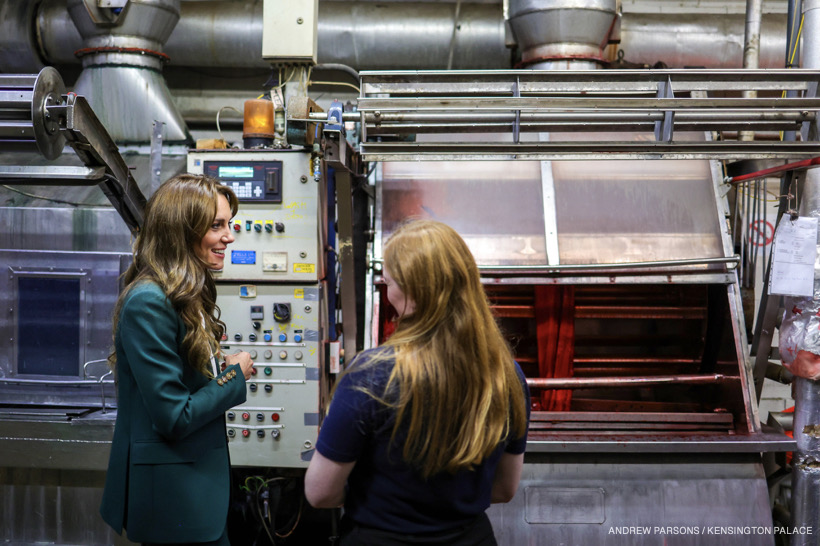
[(761, 233)]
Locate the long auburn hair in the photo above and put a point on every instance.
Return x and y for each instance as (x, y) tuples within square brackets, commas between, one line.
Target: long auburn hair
[(454, 382), (177, 217)]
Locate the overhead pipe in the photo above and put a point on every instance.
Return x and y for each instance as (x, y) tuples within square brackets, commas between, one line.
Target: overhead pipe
[(393, 35), (751, 51), (698, 40), (363, 35)]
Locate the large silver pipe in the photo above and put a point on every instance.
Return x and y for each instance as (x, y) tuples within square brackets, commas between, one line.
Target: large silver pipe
[(699, 40), (751, 50), (751, 42), (806, 465), (364, 35), (394, 35)]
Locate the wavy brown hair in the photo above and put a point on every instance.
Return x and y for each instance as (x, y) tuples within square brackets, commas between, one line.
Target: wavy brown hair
[(177, 217), (455, 379)]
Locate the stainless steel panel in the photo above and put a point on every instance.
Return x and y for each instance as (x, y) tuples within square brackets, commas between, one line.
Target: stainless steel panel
[(635, 211), (64, 229), (41, 506), (607, 212), (637, 500), (496, 206), (68, 385)]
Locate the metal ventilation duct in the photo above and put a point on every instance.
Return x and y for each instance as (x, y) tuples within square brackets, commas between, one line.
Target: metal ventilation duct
[(562, 33), (122, 67), (222, 33)]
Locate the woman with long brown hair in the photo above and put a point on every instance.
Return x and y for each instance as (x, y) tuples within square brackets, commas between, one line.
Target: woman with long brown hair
[(426, 431), (169, 474)]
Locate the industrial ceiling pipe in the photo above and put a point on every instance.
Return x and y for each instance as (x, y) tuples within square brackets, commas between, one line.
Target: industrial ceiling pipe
[(393, 35), (751, 50)]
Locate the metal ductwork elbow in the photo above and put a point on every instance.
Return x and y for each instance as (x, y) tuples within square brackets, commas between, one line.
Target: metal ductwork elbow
[(562, 34), (122, 67)]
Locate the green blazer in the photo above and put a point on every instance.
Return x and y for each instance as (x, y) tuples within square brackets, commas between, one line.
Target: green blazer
[(168, 474)]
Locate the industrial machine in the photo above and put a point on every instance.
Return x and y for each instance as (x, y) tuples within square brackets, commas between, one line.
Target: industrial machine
[(615, 282), (273, 297)]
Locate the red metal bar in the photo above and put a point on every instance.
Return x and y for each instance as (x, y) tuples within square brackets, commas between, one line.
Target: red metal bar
[(797, 165)]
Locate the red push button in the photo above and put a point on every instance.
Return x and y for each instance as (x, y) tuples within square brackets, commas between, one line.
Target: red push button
[(246, 416), (275, 417), (246, 433)]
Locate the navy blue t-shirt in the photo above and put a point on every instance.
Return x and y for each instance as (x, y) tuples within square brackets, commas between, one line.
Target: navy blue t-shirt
[(383, 491)]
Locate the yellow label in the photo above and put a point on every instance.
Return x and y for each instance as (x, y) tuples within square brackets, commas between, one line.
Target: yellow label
[(304, 268), (299, 293)]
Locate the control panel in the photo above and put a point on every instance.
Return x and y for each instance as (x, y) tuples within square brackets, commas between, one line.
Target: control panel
[(282, 327), (279, 229)]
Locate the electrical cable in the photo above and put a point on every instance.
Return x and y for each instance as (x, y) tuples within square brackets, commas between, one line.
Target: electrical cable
[(356, 87), (219, 130), (340, 67), (282, 83), (295, 523), (52, 199)]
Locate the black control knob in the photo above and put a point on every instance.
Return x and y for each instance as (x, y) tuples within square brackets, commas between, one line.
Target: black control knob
[(252, 387), (268, 388), (280, 227), (251, 337), (237, 337), (256, 325), (281, 312), (260, 433)]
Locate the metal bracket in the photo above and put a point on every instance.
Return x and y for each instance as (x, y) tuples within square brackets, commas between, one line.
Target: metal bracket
[(517, 122), (86, 134), (663, 129), (809, 130), (156, 155), (339, 156)]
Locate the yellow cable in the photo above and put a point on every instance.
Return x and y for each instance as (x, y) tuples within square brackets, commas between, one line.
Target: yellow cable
[(793, 53), (797, 40)]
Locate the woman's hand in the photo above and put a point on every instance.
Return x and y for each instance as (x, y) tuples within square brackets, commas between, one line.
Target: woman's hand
[(244, 360)]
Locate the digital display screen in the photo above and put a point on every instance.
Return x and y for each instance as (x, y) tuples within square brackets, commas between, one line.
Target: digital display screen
[(235, 171), (251, 181)]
